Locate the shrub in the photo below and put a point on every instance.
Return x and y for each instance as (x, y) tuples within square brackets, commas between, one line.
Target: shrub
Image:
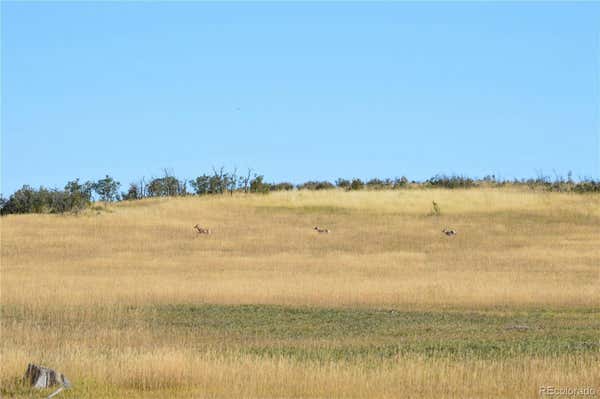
[(201, 184), (400, 182), (42, 200), (451, 181), (316, 185), (79, 195), (257, 185), (284, 186), (378, 184), (343, 183), (357, 184), (167, 186), (28, 200), (587, 186), (133, 193), (107, 189)]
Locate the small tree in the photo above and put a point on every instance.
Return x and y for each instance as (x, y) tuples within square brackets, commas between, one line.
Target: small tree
[(29, 200), (142, 188), (244, 182), (107, 189), (400, 182), (232, 181), (316, 185), (376, 184), (283, 186), (79, 195), (343, 183), (167, 186), (61, 202), (257, 185), (183, 187), (218, 181), (21, 201), (357, 184), (201, 184), (132, 193)]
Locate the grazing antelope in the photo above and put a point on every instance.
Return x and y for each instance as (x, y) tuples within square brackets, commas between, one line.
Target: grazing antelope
[(449, 233), (320, 230), (202, 230)]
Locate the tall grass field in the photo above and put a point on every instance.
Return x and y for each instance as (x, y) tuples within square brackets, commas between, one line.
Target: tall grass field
[(129, 301)]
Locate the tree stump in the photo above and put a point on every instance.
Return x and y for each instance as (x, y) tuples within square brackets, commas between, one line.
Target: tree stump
[(43, 377)]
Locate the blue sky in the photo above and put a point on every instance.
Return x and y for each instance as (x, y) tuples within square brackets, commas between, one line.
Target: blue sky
[(298, 91)]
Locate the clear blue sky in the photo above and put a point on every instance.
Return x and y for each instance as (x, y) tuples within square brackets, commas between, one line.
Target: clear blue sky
[(298, 91)]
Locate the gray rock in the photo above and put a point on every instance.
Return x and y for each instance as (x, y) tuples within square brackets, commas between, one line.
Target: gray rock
[(44, 377)]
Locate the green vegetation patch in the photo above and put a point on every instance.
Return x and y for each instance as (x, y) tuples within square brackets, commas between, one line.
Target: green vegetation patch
[(306, 209), (328, 334)]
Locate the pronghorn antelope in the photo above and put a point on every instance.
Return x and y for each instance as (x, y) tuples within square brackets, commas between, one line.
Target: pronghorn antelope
[(320, 230), (449, 233), (202, 230)]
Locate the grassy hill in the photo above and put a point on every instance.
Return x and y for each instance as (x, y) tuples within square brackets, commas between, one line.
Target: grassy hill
[(130, 301)]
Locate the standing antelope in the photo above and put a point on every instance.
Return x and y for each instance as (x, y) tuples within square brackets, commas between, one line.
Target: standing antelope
[(202, 230), (320, 230), (449, 233)]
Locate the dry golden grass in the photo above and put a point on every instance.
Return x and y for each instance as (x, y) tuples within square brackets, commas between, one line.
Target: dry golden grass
[(177, 373), (97, 274), (513, 248)]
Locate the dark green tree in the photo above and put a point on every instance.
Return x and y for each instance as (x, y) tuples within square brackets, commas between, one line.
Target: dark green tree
[(107, 189), (132, 193), (257, 185), (316, 185), (400, 182), (167, 186), (79, 196), (342, 183), (357, 184), (201, 184), (283, 186)]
